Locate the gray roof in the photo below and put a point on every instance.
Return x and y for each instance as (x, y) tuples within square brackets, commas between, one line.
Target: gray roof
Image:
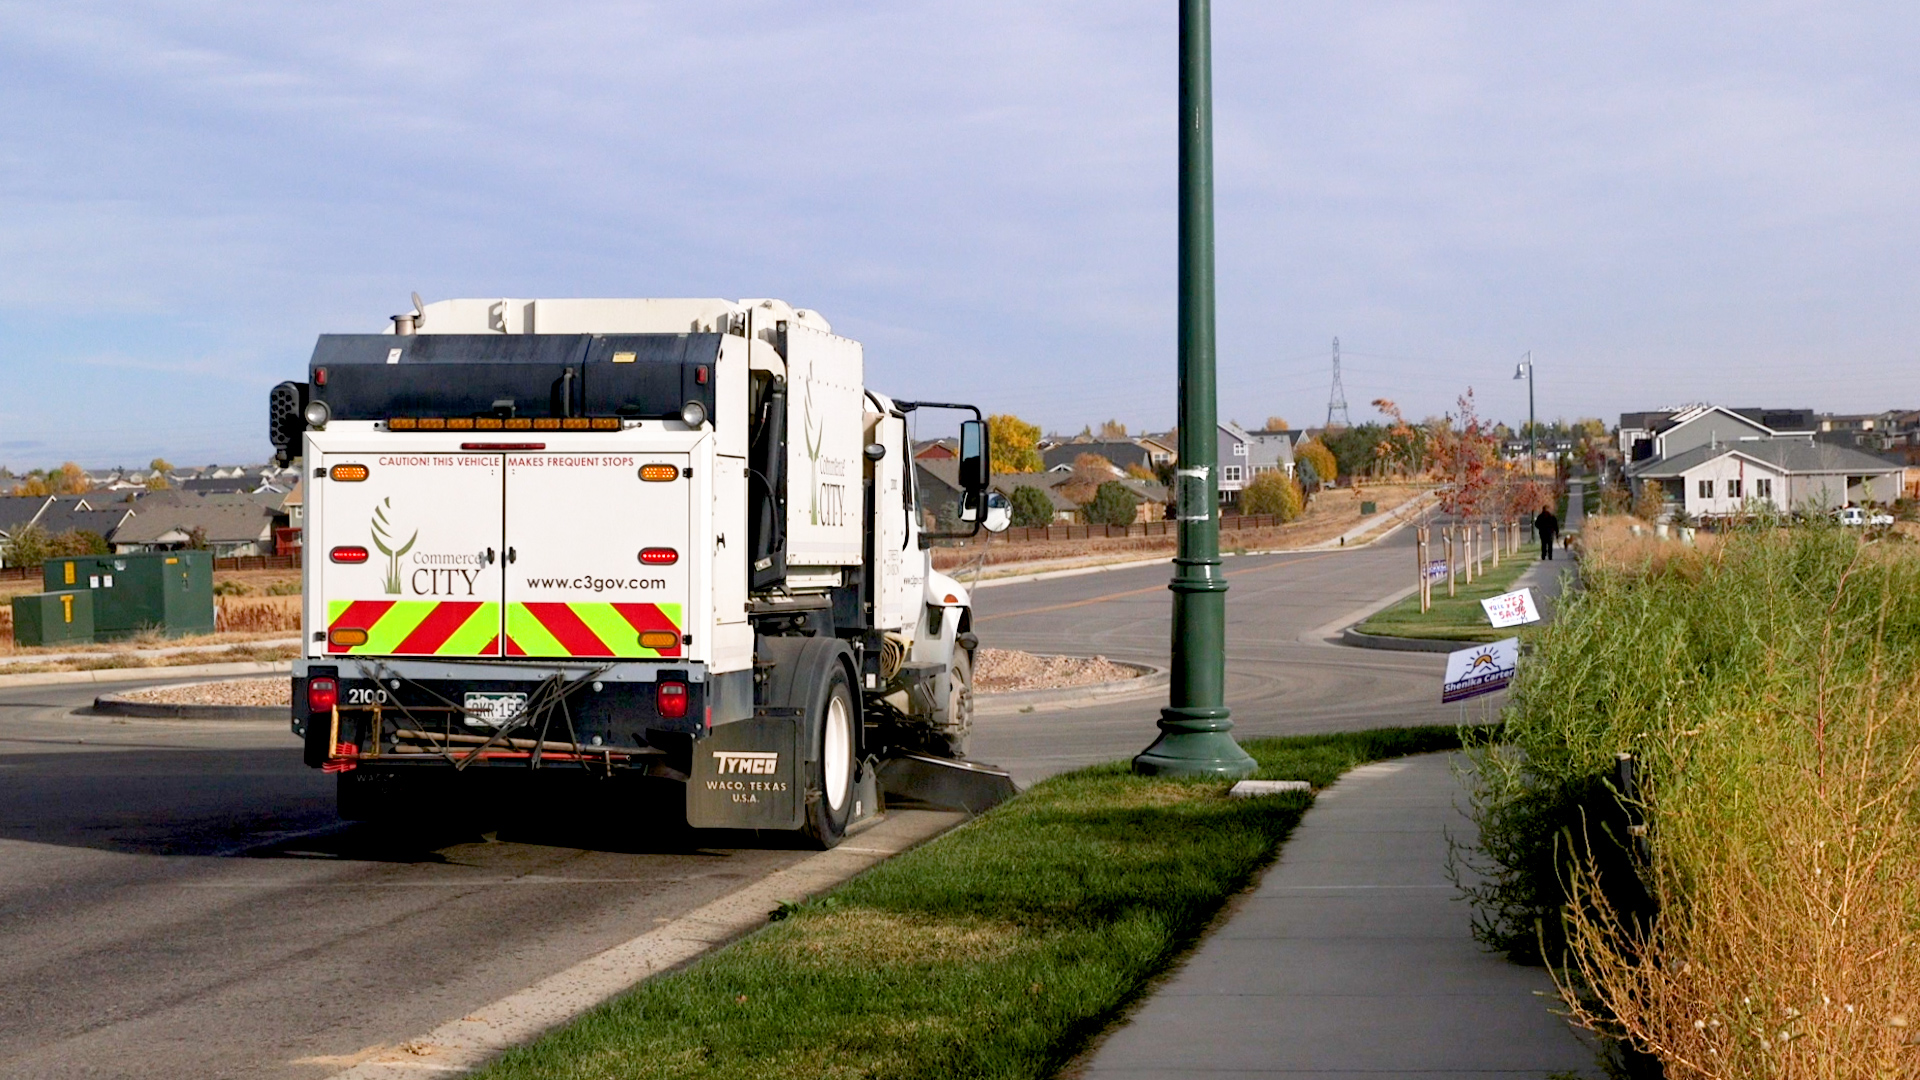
[(1790, 455), (18, 511), (228, 523), (102, 522)]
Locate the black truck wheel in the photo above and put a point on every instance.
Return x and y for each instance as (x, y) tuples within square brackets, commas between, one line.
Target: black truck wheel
[(830, 786), (952, 742)]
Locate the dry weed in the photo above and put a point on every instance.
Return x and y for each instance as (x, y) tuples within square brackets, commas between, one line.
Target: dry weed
[(256, 614)]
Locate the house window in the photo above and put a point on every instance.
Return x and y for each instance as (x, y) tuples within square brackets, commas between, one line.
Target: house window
[(1733, 489), (1239, 449), (1230, 474), (1763, 489), (1706, 489)]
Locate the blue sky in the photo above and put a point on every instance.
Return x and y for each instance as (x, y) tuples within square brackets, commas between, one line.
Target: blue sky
[(1665, 203)]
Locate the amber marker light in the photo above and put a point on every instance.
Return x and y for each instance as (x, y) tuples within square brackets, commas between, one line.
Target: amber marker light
[(576, 423), (606, 423), (656, 474), (433, 423), (658, 640), (347, 635), (460, 423), (402, 423), (348, 472)]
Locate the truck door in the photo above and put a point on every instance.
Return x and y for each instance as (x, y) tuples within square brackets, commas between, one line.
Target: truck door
[(895, 604), (597, 551), (407, 555)]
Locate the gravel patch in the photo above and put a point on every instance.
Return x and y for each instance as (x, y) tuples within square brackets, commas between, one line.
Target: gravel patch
[(1000, 670), (258, 692)]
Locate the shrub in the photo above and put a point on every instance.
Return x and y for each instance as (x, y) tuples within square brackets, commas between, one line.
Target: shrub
[(1767, 691), (1031, 507), (1273, 493), (1312, 452), (1112, 504)]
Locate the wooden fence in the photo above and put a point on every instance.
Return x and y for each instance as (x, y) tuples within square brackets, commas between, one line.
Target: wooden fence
[(1228, 522), (238, 562)]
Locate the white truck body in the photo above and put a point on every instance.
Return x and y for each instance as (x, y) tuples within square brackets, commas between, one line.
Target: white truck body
[(509, 494)]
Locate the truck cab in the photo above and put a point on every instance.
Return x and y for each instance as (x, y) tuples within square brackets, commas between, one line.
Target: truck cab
[(669, 538)]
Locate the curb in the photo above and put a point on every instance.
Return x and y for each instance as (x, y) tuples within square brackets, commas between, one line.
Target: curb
[(146, 674), (1013, 701), (120, 705), (1358, 640)]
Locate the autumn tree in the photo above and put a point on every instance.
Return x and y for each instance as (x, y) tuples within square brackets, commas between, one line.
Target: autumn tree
[(71, 479), (1311, 451), (160, 465), (1015, 444), (1467, 458), (1273, 492), (32, 485), (158, 482), (1276, 423), (1089, 472), (1113, 431)]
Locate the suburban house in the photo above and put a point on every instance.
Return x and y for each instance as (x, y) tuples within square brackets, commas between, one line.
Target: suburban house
[(1119, 454), (1163, 448), (1785, 472), (1647, 435), (1244, 455), (229, 526), (16, 513), (935, 449)]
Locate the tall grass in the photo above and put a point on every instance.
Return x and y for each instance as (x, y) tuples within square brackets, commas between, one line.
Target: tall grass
[(1752, 910), (236, 614)]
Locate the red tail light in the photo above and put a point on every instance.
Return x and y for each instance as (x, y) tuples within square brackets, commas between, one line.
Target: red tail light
[(349, 554), (671, 698), (659, 556), (322, 695)]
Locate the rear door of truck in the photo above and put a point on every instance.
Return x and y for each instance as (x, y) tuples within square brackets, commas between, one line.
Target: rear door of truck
[(408, 553), (598, 559)]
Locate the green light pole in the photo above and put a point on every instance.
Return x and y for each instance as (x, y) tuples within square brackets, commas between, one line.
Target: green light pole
[(1196, 728)]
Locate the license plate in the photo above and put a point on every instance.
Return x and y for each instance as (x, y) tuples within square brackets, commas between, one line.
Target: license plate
[(492, 710)]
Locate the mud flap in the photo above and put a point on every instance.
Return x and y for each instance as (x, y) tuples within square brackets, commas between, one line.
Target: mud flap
[(749, 775), (944, 784)]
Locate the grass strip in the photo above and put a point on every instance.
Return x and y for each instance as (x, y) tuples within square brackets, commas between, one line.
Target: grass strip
[(1454, 618), (997, 950)]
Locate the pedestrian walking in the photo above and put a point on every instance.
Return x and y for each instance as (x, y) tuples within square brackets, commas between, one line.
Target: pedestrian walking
[(1548, 527)]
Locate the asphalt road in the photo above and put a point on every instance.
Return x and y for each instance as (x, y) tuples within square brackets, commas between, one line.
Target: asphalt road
[(178, 900)]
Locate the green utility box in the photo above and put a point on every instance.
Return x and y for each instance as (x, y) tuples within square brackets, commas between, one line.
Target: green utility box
[(1367, 508), (167, 591), (53, 618)]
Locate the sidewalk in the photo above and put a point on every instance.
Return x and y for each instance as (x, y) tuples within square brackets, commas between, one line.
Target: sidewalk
[(1352, 958)]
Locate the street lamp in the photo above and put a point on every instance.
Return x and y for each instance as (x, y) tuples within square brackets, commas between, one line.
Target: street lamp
[(1196, 730), (1524, 370)]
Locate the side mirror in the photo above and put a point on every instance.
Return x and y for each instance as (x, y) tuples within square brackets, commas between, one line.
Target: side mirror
[(975, 463), (999, 512)]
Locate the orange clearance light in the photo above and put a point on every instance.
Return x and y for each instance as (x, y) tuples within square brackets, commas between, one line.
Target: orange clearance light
[(659, 556), (576, 423), (658, 640), (432, 423), (347, 635), (348, 554), (658, 473), (546, 423), (487, 423), (460, 423), (519, 423), (348, 472), (606, 423), (402, 423)]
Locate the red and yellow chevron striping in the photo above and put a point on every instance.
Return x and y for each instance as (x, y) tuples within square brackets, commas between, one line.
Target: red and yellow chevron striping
[(472, 628)]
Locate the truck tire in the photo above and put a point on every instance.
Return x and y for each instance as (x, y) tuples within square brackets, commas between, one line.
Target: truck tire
[(830, 787), (952, 742)]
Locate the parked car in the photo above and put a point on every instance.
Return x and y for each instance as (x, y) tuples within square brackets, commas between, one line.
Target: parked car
[(1859, 515)]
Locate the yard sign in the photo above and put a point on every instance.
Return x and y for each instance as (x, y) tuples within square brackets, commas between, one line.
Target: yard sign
[(1480, 670), (1511, 609)]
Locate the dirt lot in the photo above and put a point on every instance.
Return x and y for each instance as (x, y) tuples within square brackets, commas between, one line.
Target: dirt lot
[(999, 670), (1330, 514)]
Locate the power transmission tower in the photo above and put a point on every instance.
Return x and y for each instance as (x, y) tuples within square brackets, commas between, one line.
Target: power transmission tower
[(1337, 399)]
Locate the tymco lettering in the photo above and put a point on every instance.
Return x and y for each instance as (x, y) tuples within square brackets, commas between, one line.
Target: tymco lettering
[(755, 762)]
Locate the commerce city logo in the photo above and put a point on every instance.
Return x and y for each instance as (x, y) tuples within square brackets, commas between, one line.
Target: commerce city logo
[(754, 762), (383, 533), (816, 437)]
